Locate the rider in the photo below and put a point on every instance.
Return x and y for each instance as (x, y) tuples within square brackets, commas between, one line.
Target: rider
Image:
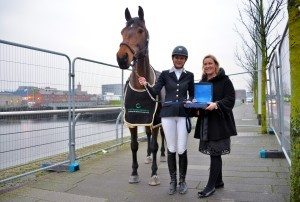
[(179, 87)]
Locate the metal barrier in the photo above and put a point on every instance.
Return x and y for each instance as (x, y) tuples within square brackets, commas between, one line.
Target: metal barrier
[(46, 112), (279, 92), (97, 78), (29, 77), (39, 104)]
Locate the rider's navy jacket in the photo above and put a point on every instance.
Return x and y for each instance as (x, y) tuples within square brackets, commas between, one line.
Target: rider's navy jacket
[(177, 91)]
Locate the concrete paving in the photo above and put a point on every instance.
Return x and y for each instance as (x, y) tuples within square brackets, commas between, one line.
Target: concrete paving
[(247, 177)]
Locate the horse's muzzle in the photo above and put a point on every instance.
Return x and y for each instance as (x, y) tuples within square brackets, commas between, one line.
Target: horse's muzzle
[(123, 62)]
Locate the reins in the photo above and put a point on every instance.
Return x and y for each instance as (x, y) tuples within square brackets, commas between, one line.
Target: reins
[(152, 98)]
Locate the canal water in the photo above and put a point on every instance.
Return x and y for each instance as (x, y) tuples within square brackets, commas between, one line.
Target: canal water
[(22, 141)]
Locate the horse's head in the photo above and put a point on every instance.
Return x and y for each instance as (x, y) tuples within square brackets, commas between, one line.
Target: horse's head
[(135, 40)]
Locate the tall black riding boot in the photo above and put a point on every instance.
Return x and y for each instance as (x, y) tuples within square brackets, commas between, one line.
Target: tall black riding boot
[(183, 162), (172, 171)]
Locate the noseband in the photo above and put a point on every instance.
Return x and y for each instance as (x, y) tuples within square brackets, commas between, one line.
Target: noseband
[(136, 55), (125, 44)]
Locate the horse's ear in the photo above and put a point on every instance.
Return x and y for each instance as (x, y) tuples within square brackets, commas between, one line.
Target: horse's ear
[(141, 13), (127, 14)]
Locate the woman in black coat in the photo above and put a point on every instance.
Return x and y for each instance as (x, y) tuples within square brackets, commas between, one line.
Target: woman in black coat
[(216, 123)]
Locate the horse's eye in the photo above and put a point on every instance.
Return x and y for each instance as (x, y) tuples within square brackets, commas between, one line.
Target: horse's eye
[(140, 30)]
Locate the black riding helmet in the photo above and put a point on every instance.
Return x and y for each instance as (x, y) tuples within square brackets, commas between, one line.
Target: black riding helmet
[(180, 50)]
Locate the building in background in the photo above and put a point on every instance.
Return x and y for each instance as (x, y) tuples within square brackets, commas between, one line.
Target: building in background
[(34, 97), (9, 100), (112, 92)]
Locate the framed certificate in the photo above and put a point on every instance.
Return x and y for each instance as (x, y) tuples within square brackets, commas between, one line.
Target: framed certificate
[(203, 92), (203, 95)]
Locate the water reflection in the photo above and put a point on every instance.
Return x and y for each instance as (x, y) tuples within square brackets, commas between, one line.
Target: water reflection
[(22, 141)]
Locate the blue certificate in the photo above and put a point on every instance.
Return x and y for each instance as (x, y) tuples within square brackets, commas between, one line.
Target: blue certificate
[(203, 92), (203, 95)]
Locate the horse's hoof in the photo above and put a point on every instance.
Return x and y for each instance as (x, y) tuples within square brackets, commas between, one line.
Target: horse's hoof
[(154, 180), (148, 160), (134, 179), (163, 158)]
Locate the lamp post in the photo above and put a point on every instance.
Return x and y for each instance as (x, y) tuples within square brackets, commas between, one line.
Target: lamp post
[(259, 83)]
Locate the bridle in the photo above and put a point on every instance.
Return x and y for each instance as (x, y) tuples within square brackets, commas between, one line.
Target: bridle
[(142, 53), (135, 60)]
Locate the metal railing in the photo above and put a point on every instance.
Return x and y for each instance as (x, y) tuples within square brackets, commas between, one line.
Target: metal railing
[(38, 108), (95, 75), (278, 97), (25, 69)]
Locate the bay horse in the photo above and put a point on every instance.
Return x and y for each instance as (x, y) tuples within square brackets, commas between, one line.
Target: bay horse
[(140, 109)]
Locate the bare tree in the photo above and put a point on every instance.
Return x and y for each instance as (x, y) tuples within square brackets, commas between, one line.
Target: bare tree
[(259, 20), (246, 58)]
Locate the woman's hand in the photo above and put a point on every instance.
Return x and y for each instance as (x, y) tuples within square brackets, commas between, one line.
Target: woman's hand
[(142, 81), (212, 106)]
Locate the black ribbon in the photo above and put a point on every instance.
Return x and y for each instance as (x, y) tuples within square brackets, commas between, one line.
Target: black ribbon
[(188, 124)]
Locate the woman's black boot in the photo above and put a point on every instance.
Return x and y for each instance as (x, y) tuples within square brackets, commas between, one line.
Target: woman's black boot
[(172, 171), (214, 171), (182, 172)]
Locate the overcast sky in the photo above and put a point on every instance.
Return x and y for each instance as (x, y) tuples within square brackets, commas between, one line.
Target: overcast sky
[(91, 29)]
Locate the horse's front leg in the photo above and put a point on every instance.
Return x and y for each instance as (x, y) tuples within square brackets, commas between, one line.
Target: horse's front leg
[(163, 157), (154, 180), (148, 132), (134, 178)]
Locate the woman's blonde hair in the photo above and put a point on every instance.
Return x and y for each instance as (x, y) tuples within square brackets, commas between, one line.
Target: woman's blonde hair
[(214, 59)]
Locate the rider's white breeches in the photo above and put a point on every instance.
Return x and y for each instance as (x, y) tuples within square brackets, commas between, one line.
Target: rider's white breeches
[(175, 133)]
